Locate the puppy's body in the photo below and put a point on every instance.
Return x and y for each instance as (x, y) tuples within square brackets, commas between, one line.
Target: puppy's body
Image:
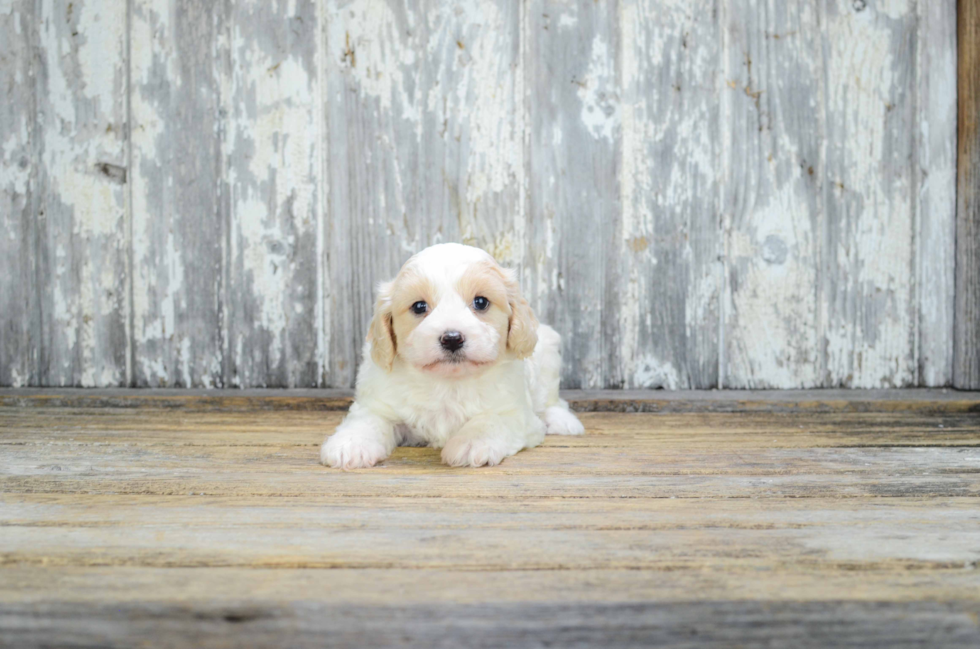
[(481, 384)]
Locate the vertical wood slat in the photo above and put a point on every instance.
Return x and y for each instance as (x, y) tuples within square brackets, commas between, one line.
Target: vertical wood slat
[(772, 203), (18, 189), (425, 145), (272, 148), (179, 208), (935, 190), (669, 244), (82, 203), (868, 240), (966, 368), (574, 108)]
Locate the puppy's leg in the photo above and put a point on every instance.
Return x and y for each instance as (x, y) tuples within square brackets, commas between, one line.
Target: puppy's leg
[(546, 373), (486, 440), (363, 439), (560, 420)]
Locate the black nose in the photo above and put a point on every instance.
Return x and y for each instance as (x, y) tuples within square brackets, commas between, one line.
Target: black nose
[(451, 340)]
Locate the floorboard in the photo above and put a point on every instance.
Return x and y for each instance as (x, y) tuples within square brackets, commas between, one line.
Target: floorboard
[(791, 520)]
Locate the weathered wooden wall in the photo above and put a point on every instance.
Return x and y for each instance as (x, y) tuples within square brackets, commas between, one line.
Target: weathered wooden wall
[(966, 343), (698, 193)]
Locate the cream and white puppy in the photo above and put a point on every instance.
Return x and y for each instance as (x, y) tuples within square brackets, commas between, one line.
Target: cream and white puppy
[(454, 359)]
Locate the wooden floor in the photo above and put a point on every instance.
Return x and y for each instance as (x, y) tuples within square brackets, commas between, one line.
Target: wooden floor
[(718, 519)]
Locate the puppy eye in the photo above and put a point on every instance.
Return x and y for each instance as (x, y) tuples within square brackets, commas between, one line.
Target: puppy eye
[(481, 303), (420, 307)]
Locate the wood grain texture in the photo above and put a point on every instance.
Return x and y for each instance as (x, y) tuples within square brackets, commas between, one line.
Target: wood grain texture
[(966, 368), (935, 177), (729, 193), (425, 144), (19, 312), (82, 201), (773, 206), (624, 401), (668, 270), (762, 528), (305, 623), (180, 200), (573, 197), (868, 240), (272, 149)]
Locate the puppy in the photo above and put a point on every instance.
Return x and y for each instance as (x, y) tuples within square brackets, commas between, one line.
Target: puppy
[(456, 360)]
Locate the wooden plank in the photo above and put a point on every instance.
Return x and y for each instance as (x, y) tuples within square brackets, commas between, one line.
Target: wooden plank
[(706, 456), (934, 180), (273, 151), (425, 141), (789, 401), (862, 535), (32, 586), (268, 608), (574, 220), (595, 471), (669, 241), (685, 432), (966, 363), (867, 300), (82, 201), (773, 204), (180, 210), (18, 184), (630, 456), (223, 524)]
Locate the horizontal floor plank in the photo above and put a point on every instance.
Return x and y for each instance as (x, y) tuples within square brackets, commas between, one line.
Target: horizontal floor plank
[(33, 585), (657, 535), (133, 426), (687, 401), (355, 608)]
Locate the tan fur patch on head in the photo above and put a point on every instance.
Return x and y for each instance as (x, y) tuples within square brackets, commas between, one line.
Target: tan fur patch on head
[(408, 288), (485, 279), (522, 326)]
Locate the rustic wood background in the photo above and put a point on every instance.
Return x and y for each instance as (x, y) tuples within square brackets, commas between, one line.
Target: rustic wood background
[(698, 193)]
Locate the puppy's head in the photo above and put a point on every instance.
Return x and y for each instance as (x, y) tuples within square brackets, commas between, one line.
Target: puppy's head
[(451, 311)]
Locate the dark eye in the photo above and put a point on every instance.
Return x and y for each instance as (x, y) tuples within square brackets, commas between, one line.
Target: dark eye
[(420, 307), (481, 303)]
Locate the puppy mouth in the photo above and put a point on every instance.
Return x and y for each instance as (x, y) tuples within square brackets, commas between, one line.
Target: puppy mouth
[(454, 358)]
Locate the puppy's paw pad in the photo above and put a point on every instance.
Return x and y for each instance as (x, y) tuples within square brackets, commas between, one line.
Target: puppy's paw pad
[(561, 421), (463, 451), (343, 452)]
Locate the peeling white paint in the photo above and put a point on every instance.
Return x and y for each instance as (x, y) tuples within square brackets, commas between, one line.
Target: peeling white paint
[(599, 94), (653, 373), (869, 341), (272, 152), (81, 117), (366, 38), (439, 87)]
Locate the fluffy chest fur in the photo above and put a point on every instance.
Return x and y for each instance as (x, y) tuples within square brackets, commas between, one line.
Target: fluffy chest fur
[(434, 410)]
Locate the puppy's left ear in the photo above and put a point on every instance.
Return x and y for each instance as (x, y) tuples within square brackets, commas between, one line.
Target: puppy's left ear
[(522, 330), (381, 332)]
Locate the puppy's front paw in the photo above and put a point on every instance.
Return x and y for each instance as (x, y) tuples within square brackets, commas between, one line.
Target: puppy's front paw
[(463, 450), (559, 420), (346, 451)]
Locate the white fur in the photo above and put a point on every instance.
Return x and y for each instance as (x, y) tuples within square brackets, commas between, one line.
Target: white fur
[(479, 412)]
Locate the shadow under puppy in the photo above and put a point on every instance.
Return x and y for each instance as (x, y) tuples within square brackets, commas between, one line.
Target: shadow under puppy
[(454, 359)]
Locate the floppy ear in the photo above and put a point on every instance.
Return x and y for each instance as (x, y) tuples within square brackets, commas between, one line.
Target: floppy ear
[(522, 330), (381, 333)]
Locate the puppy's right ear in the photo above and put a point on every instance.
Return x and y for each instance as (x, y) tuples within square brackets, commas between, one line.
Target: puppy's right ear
[(382, 331)]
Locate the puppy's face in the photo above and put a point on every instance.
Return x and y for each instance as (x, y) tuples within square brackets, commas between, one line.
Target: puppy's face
[(452, 312)]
